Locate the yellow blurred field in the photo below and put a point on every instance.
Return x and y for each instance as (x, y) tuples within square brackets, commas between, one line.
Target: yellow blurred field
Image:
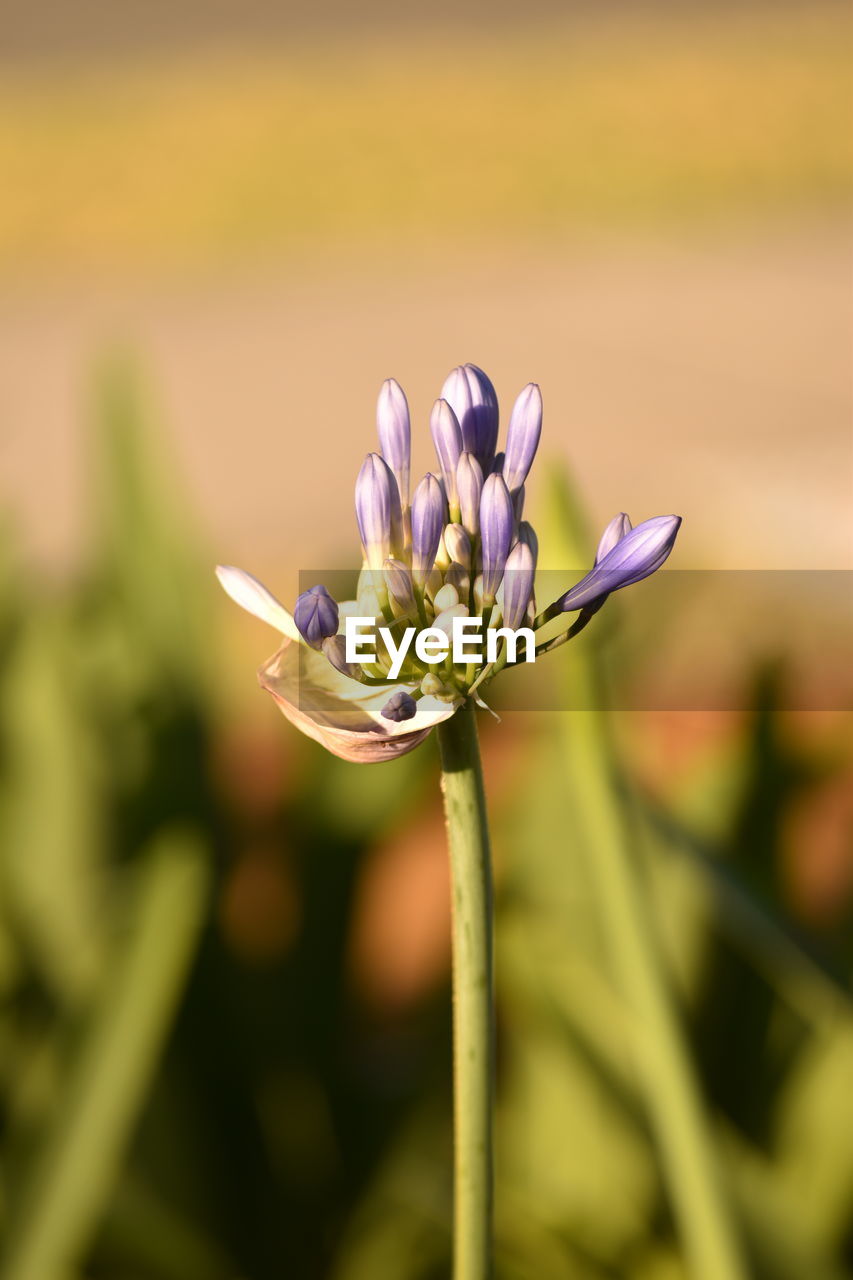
[(587, 125)]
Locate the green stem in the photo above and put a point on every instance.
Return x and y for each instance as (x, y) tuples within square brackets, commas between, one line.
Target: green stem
[(473, 1004)]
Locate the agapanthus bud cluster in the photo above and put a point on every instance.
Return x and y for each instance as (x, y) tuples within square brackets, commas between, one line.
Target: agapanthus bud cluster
[(458, 548)]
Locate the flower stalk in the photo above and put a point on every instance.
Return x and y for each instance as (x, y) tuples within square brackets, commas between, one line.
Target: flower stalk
[(473, 1000)]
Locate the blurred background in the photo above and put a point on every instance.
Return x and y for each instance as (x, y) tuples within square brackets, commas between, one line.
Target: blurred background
[(224, 965)]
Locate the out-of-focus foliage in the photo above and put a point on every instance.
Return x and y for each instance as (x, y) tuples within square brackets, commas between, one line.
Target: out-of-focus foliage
[(193, 1081)]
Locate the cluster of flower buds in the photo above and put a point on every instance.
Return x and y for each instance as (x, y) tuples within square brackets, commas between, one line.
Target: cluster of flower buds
[(458, 547)]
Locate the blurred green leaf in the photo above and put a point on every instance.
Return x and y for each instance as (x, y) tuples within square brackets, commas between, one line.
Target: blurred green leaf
[(400, 1228), (63, 1197), (147, 564), (51, 826)]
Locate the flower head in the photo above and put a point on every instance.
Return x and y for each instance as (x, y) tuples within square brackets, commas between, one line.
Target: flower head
[(457, 555)]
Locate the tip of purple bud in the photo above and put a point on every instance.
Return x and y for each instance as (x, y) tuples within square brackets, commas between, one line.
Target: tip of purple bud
[(616, 530), (316, 616), (473, 399), (525, 428), (400, 706), (394, 428)]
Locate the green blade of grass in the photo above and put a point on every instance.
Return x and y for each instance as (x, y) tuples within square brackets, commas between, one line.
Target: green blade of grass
[(689, 1157), (74, 1173)]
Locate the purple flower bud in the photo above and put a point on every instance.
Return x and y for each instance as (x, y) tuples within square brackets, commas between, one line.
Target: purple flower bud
[(335, 649), (469, 485), (400, 706), (378, 511), (522, 441), (634, 557), (447, 438), (498, 464), (457, 544), (316, 616), (615, 532), (429, 512), (518, 503), (398, 580), (395, 436), (517, 584), (473, 399), (527, 534), (497, 521)]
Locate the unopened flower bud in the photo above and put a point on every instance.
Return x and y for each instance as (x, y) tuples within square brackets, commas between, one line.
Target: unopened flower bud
[(457, 544), (517, 585), (473, 399), (316, 616), (432, 686), (496, 528), (392, 421), (447, 438), (469, 482), (398, 582), (444, 620), (525, 427), (400, 706), (334, 647), (370, 593), (429, 512), (445, 598), (615, 532), (639, 553), (378, 510)]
